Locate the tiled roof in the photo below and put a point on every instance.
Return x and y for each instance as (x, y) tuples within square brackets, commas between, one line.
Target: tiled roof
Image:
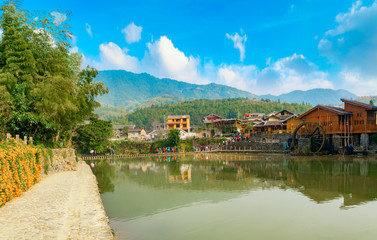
[(270, 123), (135, 130), (334, 108), (338, 110)]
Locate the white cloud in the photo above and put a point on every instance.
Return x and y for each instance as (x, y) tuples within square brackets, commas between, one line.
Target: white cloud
[(358, 83), (352, 45), (132, 33), (163, 59), (284, 75), (239, 43), (43, 33), (59, 18), (115, 58), (238, 76), (74, 50), (289, 74), (88, 29)]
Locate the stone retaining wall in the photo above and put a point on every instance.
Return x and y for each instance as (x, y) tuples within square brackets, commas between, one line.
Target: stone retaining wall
[(266, 146), (63, 159)]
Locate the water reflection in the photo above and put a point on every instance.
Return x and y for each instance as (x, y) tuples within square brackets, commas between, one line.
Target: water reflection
[(240, 197), (320, 179)]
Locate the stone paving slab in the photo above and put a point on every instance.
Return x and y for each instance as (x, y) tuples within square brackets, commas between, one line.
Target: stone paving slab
[(65, 205)]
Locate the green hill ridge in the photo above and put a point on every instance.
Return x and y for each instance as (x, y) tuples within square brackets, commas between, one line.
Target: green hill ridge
[(131, 90)]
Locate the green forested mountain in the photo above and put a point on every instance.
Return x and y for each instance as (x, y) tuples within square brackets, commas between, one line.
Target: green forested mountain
[(197, 109), (131, 90)]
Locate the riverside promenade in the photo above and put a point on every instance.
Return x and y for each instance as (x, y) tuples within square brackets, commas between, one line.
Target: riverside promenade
[(64, 205)]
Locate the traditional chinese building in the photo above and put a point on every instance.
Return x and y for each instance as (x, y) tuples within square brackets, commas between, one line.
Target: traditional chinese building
[(356, 120), (276, 123), (178, 122), (211, 117), (137, 133)]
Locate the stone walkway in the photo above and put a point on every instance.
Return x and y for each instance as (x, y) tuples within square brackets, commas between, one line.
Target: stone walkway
[(65, 205)]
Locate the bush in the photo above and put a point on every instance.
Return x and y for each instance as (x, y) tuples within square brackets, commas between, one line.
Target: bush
[(21, 167), (173, 138)]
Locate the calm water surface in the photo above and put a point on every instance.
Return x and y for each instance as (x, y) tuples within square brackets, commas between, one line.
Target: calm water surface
[(240, 197)]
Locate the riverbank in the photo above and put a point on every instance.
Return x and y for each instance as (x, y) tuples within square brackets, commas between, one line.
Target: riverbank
[(64, 205)]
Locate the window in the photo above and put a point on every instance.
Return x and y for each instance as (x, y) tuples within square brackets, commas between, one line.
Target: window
[(184, 125), (177, 125)]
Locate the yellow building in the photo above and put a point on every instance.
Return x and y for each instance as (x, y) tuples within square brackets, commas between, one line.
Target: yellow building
[(179, 122)]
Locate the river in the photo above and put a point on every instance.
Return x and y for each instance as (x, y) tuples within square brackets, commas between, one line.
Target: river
[(240, 197)]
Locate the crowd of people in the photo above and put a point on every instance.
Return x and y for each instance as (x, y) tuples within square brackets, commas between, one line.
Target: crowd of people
[(99, 153), (167, 150), (202, 148)]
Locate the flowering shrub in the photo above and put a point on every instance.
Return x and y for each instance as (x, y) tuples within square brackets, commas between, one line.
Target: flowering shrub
[(20, 168)]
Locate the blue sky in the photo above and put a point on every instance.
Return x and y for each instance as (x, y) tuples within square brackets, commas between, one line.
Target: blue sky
[(263, 47)]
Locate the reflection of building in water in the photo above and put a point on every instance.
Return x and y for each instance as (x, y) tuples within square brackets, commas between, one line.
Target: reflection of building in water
[(351, 179), (144, 166), (185, 175)]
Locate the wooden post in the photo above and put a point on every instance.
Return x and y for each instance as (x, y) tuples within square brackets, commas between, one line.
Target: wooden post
[(31, 140), (8, 136), (25, 140), (17, 138)]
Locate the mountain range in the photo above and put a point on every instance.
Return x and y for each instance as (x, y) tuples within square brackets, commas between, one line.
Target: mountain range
[(130, 90), (313, 96)]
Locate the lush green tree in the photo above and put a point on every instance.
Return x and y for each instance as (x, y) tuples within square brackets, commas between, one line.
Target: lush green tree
[(44, 93), (173, 138), (125, 131), (17, 69), (93, 136), (371, 102)]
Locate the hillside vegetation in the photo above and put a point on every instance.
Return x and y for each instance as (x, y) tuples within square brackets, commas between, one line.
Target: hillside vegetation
[(197, 109), (131, 90)]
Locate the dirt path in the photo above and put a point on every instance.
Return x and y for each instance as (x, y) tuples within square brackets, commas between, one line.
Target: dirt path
[(65, 205)]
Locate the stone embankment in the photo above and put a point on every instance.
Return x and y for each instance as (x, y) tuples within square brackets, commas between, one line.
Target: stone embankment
[(64, 205)]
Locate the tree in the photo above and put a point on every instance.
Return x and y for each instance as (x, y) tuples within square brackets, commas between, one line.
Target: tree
[(93, 136), (44, 93), (173, 138), (125, 131), (17, 69), (371, 102)]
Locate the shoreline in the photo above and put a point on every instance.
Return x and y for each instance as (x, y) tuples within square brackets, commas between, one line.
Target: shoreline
[(219, 152)]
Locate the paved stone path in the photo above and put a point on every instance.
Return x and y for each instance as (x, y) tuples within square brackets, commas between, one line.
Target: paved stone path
[(65, 205)]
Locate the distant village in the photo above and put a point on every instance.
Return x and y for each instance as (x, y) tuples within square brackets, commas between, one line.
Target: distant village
[(353, 123)]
